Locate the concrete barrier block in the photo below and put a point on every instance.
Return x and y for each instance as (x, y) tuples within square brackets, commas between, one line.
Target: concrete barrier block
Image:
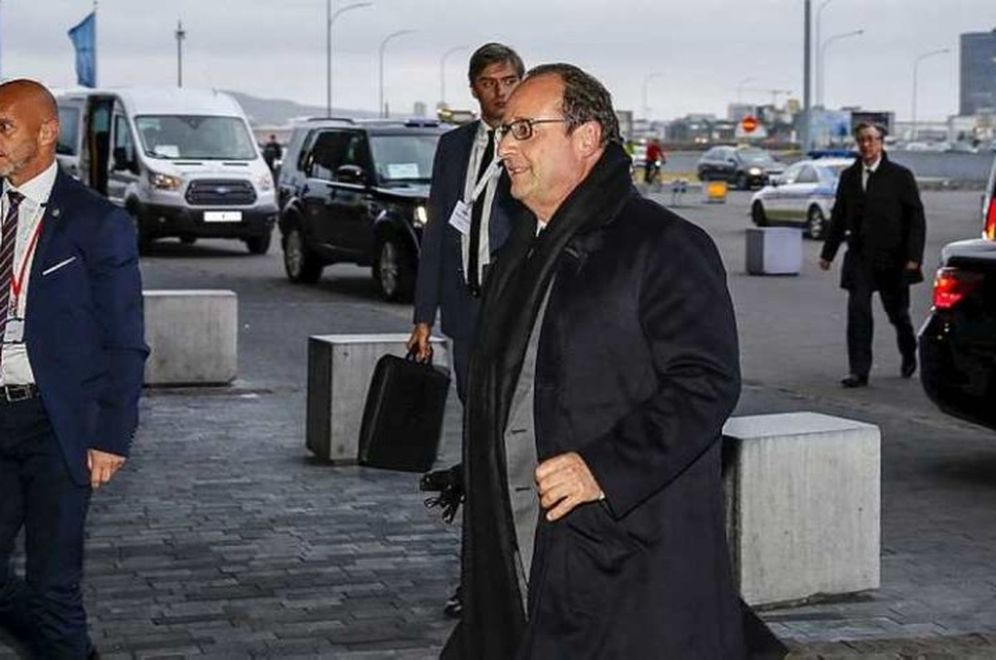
[(803, 505), (774, 251), (193, 337), (339, 371)]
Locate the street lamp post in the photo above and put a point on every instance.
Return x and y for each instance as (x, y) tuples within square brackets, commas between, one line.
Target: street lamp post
[(442, 72), (740, 87), (823, 59), (916, 68), (383, 46), (181, 34), (330, 17), (819, 59), (646, 81)]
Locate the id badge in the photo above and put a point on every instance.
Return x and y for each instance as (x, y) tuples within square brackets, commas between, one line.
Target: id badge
[(460, 218), (14, 332)]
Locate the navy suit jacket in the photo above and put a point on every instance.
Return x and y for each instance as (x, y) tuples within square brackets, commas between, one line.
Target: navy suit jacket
[(84, 325), (441, 283)]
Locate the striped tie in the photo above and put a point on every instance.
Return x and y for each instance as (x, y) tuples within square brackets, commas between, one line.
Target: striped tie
[(8, 239)]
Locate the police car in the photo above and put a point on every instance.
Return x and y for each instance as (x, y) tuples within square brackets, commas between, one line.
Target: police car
[(801, 196)]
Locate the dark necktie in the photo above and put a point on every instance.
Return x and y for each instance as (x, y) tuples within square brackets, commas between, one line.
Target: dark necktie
[(473, 260), (8, 239)]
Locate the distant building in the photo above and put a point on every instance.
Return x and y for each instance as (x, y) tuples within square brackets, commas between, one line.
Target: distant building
[(978, 72)]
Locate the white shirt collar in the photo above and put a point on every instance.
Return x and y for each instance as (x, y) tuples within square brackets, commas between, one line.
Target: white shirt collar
[(873, 166), (37, 189), (481, 137)]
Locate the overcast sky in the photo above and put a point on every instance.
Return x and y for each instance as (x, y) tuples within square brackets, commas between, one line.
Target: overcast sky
[(702, 49)]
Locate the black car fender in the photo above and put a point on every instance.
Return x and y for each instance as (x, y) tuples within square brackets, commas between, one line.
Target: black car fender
[(391, 219)]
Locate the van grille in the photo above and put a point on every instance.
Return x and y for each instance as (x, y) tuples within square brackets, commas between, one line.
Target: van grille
[(221, 193)]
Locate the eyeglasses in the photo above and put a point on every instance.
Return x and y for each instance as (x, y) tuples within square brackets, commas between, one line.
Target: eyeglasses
[(522, 129)]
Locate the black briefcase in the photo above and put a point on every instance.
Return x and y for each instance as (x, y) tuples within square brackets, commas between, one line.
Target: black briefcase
[(403, 415)]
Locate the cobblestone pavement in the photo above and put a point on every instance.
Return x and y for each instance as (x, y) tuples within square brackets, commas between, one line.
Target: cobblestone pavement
[(222, 537)]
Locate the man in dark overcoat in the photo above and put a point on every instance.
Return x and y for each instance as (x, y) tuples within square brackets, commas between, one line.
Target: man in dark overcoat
[(878, 212), (597, 394)]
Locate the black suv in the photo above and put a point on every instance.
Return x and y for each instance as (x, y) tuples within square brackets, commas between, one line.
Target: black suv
[(743, 167), (356, 191), (958, 340)]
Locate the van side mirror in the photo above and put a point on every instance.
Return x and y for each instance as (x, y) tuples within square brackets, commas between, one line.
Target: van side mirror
[(351, 174), (123, 160)]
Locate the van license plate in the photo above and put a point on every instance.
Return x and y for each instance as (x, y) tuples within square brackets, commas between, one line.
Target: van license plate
[(222, 216)]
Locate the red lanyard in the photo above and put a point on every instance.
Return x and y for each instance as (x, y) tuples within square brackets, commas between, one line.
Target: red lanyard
[(17, 283)]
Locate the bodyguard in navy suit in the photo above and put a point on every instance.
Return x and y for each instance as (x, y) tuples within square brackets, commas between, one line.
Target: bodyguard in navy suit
[(71, 370), (447, 277)]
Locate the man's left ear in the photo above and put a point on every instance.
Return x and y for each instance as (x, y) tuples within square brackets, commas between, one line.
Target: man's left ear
[(49, 132), (589, 135)]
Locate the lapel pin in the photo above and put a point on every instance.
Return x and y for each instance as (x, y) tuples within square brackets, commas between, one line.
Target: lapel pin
[(56, 213)]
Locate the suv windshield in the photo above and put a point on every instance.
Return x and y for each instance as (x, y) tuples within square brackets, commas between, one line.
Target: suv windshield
[(404, 158), (755, 156), (191, 136)]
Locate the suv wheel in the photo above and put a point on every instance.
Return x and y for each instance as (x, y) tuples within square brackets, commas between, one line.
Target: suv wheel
[(394, 269), (300, 265), (258, 244), (816, 224), (757, 214)]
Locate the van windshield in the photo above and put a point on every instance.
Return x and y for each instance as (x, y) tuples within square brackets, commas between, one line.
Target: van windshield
[(185, 137)]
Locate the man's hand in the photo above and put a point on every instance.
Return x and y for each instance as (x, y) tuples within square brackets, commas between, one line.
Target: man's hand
[(824, 264), (912, 265), (418, 343), (565, 481), (102, 466)]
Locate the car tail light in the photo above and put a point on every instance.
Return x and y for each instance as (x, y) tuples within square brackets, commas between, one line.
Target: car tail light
[(952, 285), (990, 229)]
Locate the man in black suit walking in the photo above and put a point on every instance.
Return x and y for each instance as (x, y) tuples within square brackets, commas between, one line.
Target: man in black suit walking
[(457, 248), (879, 213)]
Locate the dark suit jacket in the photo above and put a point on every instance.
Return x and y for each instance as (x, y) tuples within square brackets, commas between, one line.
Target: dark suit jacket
[(637, 370), (884, 225), (83, 324), (441, 283)]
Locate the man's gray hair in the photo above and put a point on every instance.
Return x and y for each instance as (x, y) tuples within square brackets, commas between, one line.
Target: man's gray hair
[(863, 125), (585, 99)]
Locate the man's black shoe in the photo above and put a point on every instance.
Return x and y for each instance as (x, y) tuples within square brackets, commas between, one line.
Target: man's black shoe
[(909, 366), (850, 380), (454, 606)]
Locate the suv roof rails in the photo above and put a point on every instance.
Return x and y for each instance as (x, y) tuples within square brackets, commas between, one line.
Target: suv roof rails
[(412, 122), (349, 120)]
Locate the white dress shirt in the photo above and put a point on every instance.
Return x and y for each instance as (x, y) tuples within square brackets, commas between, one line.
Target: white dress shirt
[(867, 171), (484, 247), (15, 369)]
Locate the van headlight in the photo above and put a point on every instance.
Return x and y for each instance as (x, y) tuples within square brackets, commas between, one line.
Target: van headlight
[(162, 181), (421, 216), (264, 182)]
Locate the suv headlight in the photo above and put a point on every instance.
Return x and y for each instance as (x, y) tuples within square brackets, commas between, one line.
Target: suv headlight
[(421, 216), (165, 181), (264, 182)]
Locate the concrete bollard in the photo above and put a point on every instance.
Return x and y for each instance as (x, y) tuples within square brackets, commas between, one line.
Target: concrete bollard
[(193, 337), (774, 251), (803, 505), (339, 371)]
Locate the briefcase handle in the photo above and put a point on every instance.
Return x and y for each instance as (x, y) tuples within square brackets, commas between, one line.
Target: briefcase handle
[(411, 356)]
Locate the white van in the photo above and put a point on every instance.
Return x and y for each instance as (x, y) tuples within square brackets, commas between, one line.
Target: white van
[(183, 162)]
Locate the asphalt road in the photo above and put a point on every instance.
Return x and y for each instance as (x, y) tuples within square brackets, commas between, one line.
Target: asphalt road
[(223, 537)]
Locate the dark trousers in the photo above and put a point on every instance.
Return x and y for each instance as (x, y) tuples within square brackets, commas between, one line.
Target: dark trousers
[(461, 363), (896, 301), (44, 610)]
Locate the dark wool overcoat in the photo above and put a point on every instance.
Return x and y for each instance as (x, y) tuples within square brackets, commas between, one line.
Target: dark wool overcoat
[(637, 370)]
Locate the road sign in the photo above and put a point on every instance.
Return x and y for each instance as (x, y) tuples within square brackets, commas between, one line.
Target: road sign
[(749, 123)]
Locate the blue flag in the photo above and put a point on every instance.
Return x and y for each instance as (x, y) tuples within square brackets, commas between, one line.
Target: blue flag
[(84, 38)]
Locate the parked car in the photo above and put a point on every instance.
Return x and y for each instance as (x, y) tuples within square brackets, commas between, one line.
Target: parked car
[(958, 340), (356, 191), (802, 196), (743, 167), (182, 162)]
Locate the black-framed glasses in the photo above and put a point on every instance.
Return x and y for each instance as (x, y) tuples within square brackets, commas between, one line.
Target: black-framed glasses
[(522, 129)]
